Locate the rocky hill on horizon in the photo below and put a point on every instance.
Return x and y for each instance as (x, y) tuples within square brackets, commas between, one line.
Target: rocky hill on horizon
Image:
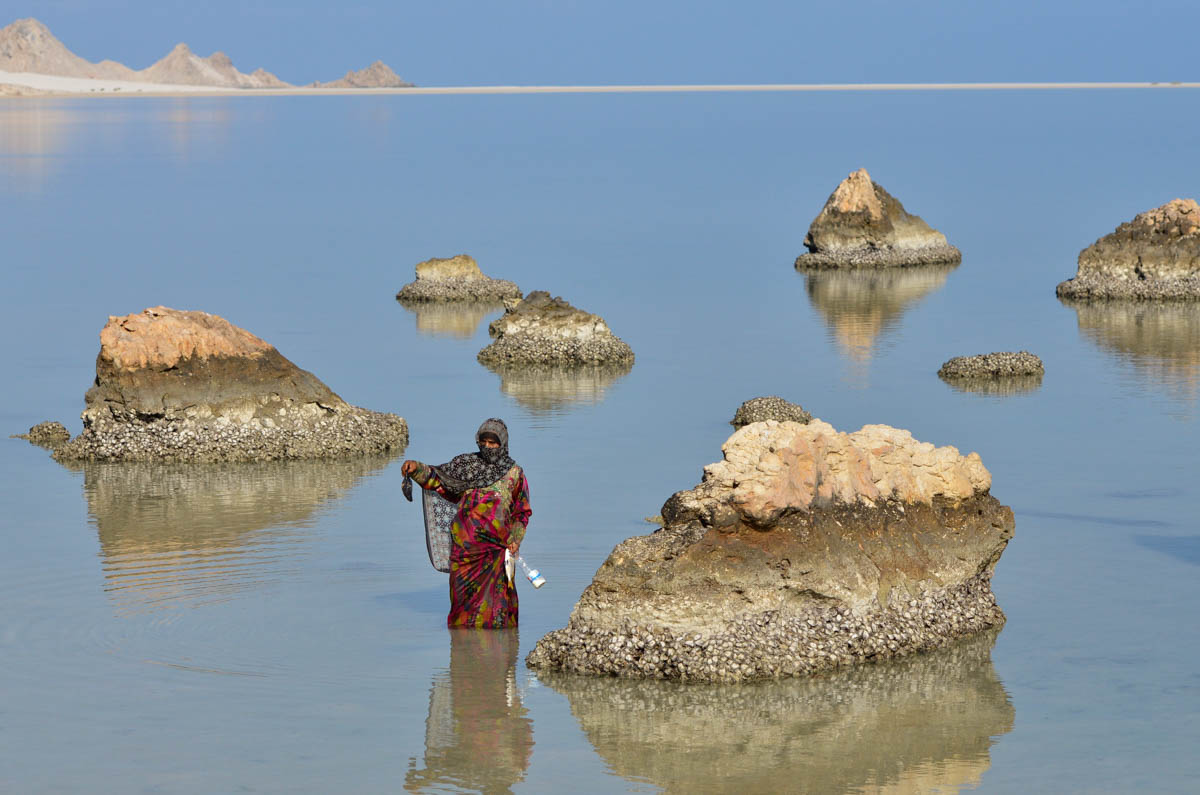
[(27, 45), (377, 75)]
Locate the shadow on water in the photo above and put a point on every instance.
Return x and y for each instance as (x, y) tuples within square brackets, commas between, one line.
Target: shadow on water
[(1185, 548), (541, 389), (181, 535), (860, 305), (920, 724), (1160, 341), (477, 736), (459, 319)]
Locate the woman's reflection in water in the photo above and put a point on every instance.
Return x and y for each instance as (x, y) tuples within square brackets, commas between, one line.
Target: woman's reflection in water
[(477, 736)]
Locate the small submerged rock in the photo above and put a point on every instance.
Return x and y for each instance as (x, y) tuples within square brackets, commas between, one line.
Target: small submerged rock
[(1156, 256), (769, 408), (863, 226), (455, 279), (177, 385), (46, 434), (549, 331), (1006, 364), (805, 549)]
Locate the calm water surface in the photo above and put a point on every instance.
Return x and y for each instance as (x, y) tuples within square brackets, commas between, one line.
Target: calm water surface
[(277, 628)]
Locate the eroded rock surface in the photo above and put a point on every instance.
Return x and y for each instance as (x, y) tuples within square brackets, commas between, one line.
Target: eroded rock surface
[(189, 386), (455, 279), (1156, 256), (803, 549), (769, 408), (46, 434), (545, 330), (862, 225)]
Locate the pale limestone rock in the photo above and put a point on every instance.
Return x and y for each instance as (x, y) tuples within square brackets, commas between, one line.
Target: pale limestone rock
[(456, 279), (803, 549)]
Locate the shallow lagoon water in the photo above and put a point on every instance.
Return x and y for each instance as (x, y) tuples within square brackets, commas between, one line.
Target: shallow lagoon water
[(277, 628)]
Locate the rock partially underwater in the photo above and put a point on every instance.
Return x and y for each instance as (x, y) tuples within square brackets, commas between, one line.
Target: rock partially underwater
[(455, 279), (804, 549), (49, 434), (997, 374), (189, 386), (769, 408), (1156, 256), (863, 226), (549, 331)]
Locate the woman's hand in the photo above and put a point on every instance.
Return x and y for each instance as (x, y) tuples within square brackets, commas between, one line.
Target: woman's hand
[(514, 547), (408, 468)]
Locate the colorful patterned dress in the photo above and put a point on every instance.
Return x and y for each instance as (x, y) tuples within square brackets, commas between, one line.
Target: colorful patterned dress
[(488, 520)]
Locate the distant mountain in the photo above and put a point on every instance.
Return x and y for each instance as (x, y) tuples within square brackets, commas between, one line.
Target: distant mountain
[(183, 67), (28, 46), (377, 75)]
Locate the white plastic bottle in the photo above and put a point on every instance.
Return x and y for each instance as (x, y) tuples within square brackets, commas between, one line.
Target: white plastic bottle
[(535, 577)]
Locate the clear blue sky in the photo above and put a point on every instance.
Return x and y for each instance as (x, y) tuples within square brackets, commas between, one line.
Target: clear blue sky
[(477, 42)]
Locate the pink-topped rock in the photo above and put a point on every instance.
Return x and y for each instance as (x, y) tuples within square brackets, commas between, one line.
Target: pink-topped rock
[(190, 386), (862, 225)]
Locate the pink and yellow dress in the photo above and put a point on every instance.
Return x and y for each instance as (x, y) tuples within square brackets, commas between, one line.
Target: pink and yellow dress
[(488, 520)]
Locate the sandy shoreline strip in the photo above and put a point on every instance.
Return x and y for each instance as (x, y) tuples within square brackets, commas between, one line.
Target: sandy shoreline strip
[(51, 85)]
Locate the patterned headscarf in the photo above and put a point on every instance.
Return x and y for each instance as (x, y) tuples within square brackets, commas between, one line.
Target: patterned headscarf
[(476, 470)]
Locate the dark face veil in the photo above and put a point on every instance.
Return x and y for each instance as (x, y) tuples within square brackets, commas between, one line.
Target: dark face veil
[(476, 470)]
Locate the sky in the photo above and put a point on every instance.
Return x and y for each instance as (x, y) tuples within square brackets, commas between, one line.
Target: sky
[(530, 42)]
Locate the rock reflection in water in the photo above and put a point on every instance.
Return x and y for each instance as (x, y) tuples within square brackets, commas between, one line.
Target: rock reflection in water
[(999, 387), (861, 304), (477, 735), (1160, 340), (919, 724), (450, 318), (544, 389), (33, 133), (180, 535)]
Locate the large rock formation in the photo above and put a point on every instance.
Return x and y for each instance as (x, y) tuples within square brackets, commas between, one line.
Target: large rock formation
[(862, 225), (918, 725), (28, 46), (377, 75), (773, 407), (181, 66), (190, 386), (545, 330), (804, 549), (1155, 256), (455, 279)]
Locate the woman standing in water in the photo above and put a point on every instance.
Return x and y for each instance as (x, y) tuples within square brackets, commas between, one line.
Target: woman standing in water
[(493, 511)]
